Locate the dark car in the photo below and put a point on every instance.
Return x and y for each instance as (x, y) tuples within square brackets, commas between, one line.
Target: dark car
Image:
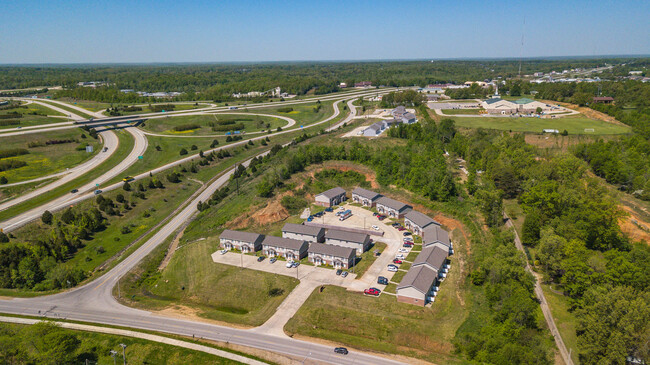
[(374, 214), (382, 280), (273, 259), (329, 209), (261, 258), (407, 245), (344, 274), (339, 271), (73, 191), (406, 234), (341, 350)]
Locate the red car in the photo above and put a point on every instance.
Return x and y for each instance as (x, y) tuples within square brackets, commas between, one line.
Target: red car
[(401, 229), (397, 261), (372, 291)]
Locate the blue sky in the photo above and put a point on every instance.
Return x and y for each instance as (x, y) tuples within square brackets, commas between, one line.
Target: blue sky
[(224, 31)]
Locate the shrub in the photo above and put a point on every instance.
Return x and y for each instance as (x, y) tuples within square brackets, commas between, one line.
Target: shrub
[(293, 204), (13, 152), (46, 217), (194, 147), (285, 110), (126, 230), (3, 180), (183, 152), (11, 164), (186, 127)]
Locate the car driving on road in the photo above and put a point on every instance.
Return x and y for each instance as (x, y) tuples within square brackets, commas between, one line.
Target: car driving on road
[(341, 350)]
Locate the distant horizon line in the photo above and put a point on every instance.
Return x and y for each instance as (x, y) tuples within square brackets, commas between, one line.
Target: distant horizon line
[(576, 57)]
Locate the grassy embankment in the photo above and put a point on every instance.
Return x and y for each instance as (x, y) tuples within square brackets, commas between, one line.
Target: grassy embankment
[(572, 124), (29, 115), (126, 144), (462, 111), (45, 159), (96, 347), (64, 107), (204, 124), (147, 109)]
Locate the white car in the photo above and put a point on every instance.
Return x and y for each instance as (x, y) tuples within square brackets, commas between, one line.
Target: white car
[(223, 252), (392, 268), (403, 250), (408, 239), (375, 227), (399, 256), (289, 264), (341, 208)]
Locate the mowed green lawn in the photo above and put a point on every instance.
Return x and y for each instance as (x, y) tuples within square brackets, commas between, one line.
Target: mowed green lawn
[(147, 109), (215, 291), (573, 124), (462, 111), (93, 106), (252, 123), (47, 159)]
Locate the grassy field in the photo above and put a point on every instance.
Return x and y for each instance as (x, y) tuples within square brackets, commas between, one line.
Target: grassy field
[(48, 159), (193, 284), (251, 124), (573, 124), (71, 110), (31, 114), (462, 111), (177, 107), (303, 113), (9, 192), (96, 348), (564, 320), (93, 106), (126, 144)]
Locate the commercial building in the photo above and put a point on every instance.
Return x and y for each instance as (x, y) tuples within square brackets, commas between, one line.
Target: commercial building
[(358, 241), (392, 207), (330, 197), (529, 106), (367, 198), (284, 247), (416, 221), (374, 129), (337, 256), (497, 105), (302, 232), (243, 241)]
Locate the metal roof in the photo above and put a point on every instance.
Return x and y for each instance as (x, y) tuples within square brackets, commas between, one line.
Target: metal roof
[(333, 193), (333, 250), (302, 229), (432, 256), (420, 219), (492, 101), (524, 101), (240, 236), (433, 234), (392, 203), (336, 234), (368, 194), (283, 242), (420, 278)]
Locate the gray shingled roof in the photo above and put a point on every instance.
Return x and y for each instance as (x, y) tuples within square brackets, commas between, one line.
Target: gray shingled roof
[(302, 229), (433, 234), (240, 236), (283, 242), (334, 192), (335, 234), (392, 203), (374, 127), (334, 250), (400, 109), (409, 116), (433, 256), (364, 193), (420, 277), (420, 219)]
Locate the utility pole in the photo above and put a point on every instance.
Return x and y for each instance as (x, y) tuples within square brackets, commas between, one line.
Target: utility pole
[(123, 352), (242, 257), (113, 353)]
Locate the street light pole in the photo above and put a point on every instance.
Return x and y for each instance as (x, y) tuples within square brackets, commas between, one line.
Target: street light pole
[(123, 352), (113, 353)]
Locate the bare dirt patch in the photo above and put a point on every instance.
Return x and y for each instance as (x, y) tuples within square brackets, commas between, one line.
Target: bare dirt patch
[(634, 226), (271, 213), (185, 312)]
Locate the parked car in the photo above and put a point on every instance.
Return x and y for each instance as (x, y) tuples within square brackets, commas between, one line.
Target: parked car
[(344, 274), (374, 214), (341, 208), (372, 291), (375, 227), (403, 250), (409, 239), (296, 264), (73, 191), (397, 261), (401, 229), (273, 259), (341, 350), (329, 209), (382, 280), (97, 192), (261, 258), (381, 217), (395, 224), (399, 256), (223, 252), (392, 268), (407, 234), (289, 264), (407, 245), (339, 271), (105, 149)]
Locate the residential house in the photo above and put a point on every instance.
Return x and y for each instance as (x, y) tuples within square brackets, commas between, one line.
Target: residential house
[(243, 241), (417, 286), (330, 197), (284, 247), (416, 221), (302, 232), (392, 207), (365, 197), (603, 99), (434, 235), (358, 241), (337, 256), (374, 129)]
